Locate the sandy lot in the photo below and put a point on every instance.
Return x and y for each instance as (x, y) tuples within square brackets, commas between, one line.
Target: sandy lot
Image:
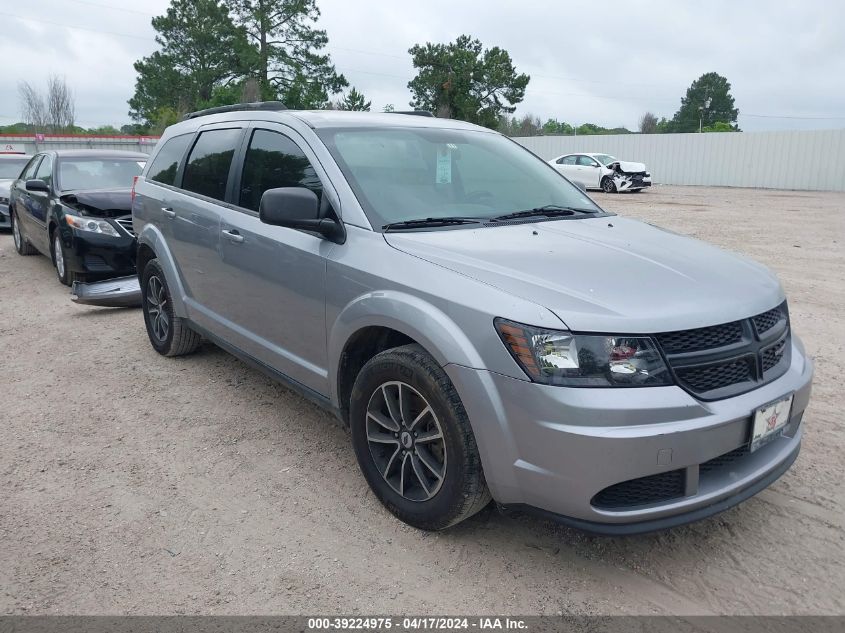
[(131, 483)]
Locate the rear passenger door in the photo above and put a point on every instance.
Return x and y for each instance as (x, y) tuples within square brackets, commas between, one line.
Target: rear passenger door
[(271, 286), (191, 218)]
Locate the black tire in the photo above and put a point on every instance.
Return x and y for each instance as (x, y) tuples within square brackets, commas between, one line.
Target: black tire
[(607, 185), (462, 490), (169, 334), (22, 246)]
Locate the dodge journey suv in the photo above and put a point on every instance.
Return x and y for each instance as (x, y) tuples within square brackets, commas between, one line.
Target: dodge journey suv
[(483, 328)]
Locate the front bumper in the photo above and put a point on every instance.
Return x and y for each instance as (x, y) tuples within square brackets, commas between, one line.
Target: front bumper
[(122, 292), (556, 448), (5, 220), (99, 256)]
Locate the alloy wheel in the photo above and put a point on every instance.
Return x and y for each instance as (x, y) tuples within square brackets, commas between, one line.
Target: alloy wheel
[(406, 441), (58, 256), (156, 300)]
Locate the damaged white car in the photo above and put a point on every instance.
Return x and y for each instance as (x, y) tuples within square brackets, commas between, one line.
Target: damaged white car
[(601, 171)]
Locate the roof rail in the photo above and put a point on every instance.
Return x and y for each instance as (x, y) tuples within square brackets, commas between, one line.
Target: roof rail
[(414, 112), (237, 107)]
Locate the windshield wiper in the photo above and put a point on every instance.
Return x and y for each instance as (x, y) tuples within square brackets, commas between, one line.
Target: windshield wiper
[(550, 210), (423, 222)]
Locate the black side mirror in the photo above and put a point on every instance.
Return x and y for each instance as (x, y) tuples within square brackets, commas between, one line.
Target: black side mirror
[(37, 185), (298, 208)]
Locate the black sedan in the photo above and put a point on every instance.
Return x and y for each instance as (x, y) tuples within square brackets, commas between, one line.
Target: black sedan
[(74, 206)]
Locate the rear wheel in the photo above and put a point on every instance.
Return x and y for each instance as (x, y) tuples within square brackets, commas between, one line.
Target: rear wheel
[(607, 185), (169, 334), (22, 246), (413, 440)]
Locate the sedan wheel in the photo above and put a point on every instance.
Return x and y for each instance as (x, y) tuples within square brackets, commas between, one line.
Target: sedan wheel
[(59, 258), (607, 185)]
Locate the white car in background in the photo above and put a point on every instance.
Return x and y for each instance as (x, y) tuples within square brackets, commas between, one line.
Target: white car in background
[(601, 171)]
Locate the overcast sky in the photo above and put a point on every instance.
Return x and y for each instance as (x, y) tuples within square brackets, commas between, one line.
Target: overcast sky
[(604, 63)]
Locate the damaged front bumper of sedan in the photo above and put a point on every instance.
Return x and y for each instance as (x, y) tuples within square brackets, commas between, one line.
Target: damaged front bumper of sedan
[(629, 176), (123, 292)]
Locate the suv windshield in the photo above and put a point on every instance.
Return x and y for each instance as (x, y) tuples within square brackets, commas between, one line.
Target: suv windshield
[(10, 168), (98, 173), (401, 174)]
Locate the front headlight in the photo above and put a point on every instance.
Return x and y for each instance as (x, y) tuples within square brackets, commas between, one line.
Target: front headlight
[(558, 357), (92, 225)]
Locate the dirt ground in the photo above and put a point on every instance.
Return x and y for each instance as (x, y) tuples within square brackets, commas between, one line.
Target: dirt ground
[(136, 484)]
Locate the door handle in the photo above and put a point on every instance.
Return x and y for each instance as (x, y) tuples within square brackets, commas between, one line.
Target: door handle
[(168, 212), (232, 235)]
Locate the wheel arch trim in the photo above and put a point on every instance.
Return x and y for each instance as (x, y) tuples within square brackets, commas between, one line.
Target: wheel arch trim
[(417, 319), (151, 237)]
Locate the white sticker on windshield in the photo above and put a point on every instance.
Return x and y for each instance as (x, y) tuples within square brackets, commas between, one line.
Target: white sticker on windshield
[(444, 166)]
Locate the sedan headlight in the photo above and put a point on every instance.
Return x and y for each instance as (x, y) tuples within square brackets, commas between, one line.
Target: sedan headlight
[(558, 357), (92, 225)]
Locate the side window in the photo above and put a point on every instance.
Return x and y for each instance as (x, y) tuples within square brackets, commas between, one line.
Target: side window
[(273, 160), (29, 171), (586, 161), (166, 163), (207, 169), (45, 171), (567, 160)]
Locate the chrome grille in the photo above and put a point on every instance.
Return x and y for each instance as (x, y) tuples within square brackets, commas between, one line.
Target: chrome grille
[(126, 224), (725, 360)]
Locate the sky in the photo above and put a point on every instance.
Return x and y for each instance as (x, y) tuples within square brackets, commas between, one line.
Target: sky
[(605, 63)]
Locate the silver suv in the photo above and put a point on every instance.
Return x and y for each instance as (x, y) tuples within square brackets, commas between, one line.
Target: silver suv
[(479, 323)]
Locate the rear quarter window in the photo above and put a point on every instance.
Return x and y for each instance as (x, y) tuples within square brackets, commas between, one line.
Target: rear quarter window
[(165, 165)]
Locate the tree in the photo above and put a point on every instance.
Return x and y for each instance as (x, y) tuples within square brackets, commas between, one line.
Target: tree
[(33, 108), (721, 108), (290, 63), (648, 123), (460, 80), (55, 113), (354, 101), (388, 108), (201, 50)]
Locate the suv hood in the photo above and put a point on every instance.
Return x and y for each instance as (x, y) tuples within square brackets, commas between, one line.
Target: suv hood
[(5, 186), (105, 203), (606, 274)]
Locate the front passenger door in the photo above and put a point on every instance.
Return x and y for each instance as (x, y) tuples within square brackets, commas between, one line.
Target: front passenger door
[(272, 283)]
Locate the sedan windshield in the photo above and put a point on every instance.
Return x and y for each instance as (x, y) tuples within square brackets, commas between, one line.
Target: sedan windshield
[(401, 174), (98, 173), (604, 159), (10, 168)]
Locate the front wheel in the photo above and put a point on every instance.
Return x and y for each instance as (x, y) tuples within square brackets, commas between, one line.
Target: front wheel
[(413, 440), (60, 261), (607, 185)]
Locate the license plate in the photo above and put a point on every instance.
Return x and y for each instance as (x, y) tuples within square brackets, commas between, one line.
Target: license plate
[(769, 420)]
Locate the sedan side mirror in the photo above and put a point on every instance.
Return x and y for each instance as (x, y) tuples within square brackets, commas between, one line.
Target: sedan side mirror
[(298, 208), (37, 185)]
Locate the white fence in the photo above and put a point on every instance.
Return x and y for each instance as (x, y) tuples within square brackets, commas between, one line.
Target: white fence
[(810, 160), (30, 144)]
